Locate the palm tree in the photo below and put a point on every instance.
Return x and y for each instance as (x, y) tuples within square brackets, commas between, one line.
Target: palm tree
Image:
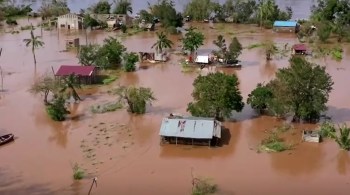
[(122, 7), (71, 83), (162, 43), (34, 42)]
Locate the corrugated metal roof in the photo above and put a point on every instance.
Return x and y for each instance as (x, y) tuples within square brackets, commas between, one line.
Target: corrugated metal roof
[(66, 70), (191, 127), (299, 47), (285, 24)]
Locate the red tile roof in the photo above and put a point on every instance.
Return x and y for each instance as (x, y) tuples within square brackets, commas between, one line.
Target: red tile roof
[(66, 70), (299, 47)]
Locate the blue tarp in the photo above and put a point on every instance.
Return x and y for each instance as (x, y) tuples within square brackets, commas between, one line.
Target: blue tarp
[(285, 24)]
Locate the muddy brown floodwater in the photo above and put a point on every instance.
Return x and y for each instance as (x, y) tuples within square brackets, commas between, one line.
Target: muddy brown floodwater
[(123, 150)]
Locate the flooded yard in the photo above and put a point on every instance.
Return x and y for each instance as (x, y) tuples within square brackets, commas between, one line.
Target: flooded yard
[(123, 151)]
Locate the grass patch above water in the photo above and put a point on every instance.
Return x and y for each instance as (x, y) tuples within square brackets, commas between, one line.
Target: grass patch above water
[(203, 187), (109, 79), (273, 143), (78, 173), (108, 107)]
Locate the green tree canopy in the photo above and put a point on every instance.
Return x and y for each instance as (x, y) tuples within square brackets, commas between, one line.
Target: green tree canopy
[(199, 9), (111, 53), (165, 11), (88, 54), (162, 43), (303, 89), (102, 7), (192, 40), (57, 109), (54, 8), (107, 56), (122, 7), (234, 49), (136, 98), (45, 85), (130, 60), (215, 95), (260, 97)]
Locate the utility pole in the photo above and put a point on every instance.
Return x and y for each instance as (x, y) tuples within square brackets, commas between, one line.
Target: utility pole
[(94, 181)]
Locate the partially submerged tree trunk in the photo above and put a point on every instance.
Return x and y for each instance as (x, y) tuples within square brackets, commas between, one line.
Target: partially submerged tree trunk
[(34, 57)]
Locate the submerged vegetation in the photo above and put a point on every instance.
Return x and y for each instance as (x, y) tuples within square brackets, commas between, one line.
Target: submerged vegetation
[(78, 173), (107, 107), (135, 97), (273, 142), (340, 135)]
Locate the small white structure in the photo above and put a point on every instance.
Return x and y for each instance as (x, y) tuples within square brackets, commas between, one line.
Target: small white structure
[(202, 59), (154, 56), (69, 21), (311, 136)]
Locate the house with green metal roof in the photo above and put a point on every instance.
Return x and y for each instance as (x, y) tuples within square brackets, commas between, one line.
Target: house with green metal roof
[(286, 26), (190, 130)]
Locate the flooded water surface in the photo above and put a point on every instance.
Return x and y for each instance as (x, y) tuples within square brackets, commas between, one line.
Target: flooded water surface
[(123, 150)]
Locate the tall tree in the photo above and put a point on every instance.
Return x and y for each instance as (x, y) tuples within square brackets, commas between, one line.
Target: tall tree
[(162, 43), (215, 95), (45, 85), (199, 9), (302, 89), (34, 42), (122, 7), (234, 50), (192, 40), (165, 11), (220, 42), (102, 7)]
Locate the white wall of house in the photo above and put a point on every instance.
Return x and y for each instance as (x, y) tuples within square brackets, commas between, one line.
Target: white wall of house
[(68, 21)]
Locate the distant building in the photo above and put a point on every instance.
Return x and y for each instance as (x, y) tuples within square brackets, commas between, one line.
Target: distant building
[(299, 49), (113, 20), (286, 26), (311, 136), (69, 21), (153, 56), (86, 74), (190, 130)]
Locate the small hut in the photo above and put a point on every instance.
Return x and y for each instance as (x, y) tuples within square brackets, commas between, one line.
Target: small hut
[(153, 56), (86, 74), (72, 43), (311, 136), (190, 130), (299, 49)]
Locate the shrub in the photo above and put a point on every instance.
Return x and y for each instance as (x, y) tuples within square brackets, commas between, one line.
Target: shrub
[(78, 173), (57, 110), (11, 21), (203, 187)]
